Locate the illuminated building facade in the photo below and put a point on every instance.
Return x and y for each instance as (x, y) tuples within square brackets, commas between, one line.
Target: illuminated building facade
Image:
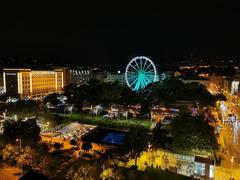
[(80, 76), (1, 85), (112, 77), (27, 83)]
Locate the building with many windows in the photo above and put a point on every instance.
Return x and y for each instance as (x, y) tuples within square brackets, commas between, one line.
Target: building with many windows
[(113, 77), (80, 76), (1, 84), (27, 83)]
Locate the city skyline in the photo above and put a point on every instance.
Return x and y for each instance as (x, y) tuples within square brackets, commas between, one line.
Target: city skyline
[(120, 90)]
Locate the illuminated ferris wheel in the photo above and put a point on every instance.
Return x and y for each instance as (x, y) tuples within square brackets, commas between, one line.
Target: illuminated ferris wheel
[(140, 72)]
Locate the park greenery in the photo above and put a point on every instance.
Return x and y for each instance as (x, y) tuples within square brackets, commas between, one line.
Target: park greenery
[(134, 142), (95, 93), (128, 124), (193, 133), (172, 90), (25, 130), (21, 108), (36, 157), (165, 92), (187, 134)]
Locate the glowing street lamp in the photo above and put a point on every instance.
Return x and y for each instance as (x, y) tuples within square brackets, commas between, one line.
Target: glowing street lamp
[(149, 146), (232, 160), (15, 117), (48, 124), (20, 144)]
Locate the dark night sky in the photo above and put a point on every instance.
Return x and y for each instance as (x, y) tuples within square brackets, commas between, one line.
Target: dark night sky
[(111, 32)]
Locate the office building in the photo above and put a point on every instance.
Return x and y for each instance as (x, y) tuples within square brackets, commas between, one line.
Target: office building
[(80, 76), (28, 84)]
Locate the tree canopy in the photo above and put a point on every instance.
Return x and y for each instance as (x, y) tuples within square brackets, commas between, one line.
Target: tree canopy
[(28, 131), (23, 107), (95, 93), (165, 92), (172, 90), (86, 146), (52, 98), (193, 132)]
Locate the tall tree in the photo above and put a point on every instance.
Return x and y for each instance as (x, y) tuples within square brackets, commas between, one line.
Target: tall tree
[(134, 142), (86, 146), (28, 131), (193, 133), (52, 98)]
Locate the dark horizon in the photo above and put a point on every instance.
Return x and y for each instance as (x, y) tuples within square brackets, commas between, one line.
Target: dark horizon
[(111, 33)]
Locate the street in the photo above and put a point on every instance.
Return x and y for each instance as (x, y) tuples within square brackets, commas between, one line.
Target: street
[(230, 144), (9, 173)]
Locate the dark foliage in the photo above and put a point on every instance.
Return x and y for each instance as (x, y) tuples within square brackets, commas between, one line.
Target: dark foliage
[(51, 98), (166, 92), (23, 107), (28, 131), (193, 133), (86, 146), (57, 146), (161, 137), (73, 142)]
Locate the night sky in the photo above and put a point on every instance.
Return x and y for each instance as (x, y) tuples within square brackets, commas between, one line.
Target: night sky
[(111, 32)]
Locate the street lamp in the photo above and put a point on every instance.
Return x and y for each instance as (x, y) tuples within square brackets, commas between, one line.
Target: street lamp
[(15, 117), (149, 146), (232, 160), (20, 144)]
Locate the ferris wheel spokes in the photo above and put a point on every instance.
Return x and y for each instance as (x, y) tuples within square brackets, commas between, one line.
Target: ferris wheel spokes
[(140, 72)]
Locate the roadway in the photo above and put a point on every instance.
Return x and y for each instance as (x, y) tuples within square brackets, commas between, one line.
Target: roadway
[(231, 133), (229, 139), (9, 173), (230, 144)]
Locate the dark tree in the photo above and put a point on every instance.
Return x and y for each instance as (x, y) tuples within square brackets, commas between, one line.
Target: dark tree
[(3, 97), (58, 119), (57, 146), (129, 97), (134, 142), (172, 90), (220, 97), (111, 93), (145, 110), (193, 133), (28, 131), (86, 146), (52, 98), (161, 136), (73, 142), (23, 107)]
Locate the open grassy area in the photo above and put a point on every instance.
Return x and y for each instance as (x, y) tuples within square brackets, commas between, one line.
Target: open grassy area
[(151, 174), (143, 125)]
